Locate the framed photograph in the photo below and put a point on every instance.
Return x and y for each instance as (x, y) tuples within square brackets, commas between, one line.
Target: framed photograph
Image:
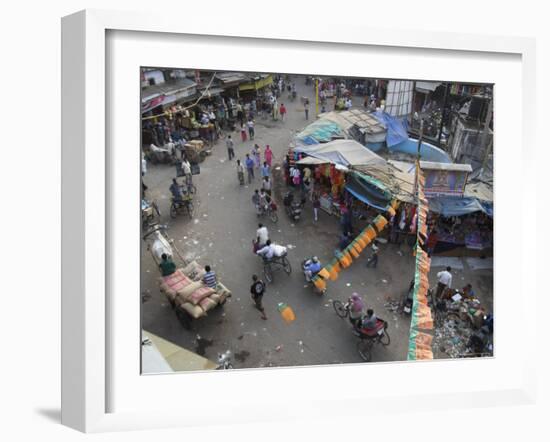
[(196, 261)]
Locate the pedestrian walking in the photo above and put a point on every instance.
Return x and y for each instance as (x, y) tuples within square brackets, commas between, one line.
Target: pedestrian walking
[(265, 171), (240, 172), (256, 155), (268, 155), (230, 151), (444, 280), (186, 168), (243, 133), (266, 185), (249, 163), (295, 173), (316, 207), (275, 110), (306, 108), (240, 114), (262, 235), (250, 126), (257, 291), (282, 111), (373, 259)]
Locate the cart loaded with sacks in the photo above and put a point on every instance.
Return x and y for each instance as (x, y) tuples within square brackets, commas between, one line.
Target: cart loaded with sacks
[(189, 296)]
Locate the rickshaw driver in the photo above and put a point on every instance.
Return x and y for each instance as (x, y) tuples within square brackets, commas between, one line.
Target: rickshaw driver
[(311, 269), (175, 190)]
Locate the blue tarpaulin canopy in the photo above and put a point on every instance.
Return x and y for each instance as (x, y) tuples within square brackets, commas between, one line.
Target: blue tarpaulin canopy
[(453, 206), (396, 128)]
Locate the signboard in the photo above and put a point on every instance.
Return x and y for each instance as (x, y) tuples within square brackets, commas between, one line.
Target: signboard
[(445, 182)]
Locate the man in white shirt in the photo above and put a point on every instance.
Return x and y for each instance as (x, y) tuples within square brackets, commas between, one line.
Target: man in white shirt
[(262, 235), (267, 251), (444, 281)]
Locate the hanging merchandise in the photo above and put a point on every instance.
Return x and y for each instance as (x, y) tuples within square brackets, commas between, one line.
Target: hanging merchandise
[(380, 222), (421, 314)]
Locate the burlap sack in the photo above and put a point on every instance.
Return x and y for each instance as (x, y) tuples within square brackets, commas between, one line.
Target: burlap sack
[(215, 297), (171, 284), (223, 291), (198, 295), (194, 310), (208, 304), (184, 293)]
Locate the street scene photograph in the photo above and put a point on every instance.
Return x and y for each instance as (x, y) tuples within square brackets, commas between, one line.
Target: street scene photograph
[(300, 220)]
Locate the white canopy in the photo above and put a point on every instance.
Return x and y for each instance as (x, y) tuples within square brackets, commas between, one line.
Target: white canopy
[(341, 152)]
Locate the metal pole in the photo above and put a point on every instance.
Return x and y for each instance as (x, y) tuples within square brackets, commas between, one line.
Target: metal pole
[(316, 97), (485, 133), (443, 114)]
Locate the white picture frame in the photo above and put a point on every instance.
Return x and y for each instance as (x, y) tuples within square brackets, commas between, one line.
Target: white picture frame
[(88, 316)]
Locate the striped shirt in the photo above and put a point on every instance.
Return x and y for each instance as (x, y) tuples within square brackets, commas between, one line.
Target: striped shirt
[(209, 279)]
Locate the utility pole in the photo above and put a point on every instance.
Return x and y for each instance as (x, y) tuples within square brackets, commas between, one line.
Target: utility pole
[(484, 145), (443, 114), (316, 96), (418, 156)]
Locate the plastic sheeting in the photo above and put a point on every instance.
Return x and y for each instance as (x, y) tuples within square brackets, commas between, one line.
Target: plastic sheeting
[(453, 206), (396, 128), (321, 131), (367, 192), (343, 153), (428, 152)]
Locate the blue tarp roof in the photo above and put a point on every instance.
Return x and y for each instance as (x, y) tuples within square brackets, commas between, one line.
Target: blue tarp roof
[(320, 131), (396, 128), (453, 206)]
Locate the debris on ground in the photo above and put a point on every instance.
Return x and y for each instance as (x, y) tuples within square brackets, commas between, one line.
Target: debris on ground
[(392, 306), (278, 348)]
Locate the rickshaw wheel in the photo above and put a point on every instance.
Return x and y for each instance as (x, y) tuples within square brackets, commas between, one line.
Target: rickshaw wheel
[(173, 211), (339, 309), (364, 347), (268, 273), (385, 338), (286, 266)]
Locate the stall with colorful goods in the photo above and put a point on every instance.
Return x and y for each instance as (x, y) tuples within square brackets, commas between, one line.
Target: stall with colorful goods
[(346, 257), (420, 339)]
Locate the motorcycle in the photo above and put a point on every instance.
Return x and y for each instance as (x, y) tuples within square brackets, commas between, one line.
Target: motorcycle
[(293, 208), (270, 211)]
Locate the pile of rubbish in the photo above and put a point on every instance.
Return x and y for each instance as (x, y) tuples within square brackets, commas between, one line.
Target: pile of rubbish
[(452, 337), (455, 334)]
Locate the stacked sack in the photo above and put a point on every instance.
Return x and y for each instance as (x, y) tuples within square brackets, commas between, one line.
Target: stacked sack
[(185, 290)]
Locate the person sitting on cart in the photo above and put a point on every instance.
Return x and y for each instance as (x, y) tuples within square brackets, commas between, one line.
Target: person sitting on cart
[(167, 266), (356, 309), (312, 268), (175, 189), (209, 277), (369, 321), (266, 252)]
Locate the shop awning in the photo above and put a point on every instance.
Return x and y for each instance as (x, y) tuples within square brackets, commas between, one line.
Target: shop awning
[(368, 192), (342, 152), (452, 206)]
